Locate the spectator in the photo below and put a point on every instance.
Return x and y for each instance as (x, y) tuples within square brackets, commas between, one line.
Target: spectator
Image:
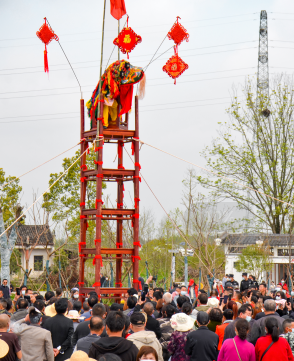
[(86, 306), (220, 330), (182, 325), (258, 328), (202, 344), (288, 333), (183, 292), (263, 289), (272, 347), (77, 306), (74, 294), (22, 310), (152, 324), (202, 299), (1, 294), (96, 327), (40, 305), (180, 301), (140, 337), (75, 317), (245, 282), (238, 347), (146, 353), (36, 342), (168, 299), (58, 292), (83, 330), (92, 301), (82, 356), (192, 290), (187, 309), (131, 303), (9, 346), (48, 296), (114, 343), (61, 329), (5, 289), (166, 329), (215, 319), (244, 312), (3, 307)]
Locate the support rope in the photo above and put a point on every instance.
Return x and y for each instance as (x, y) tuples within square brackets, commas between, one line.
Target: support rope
[(50, 187), (216, 174), (14, 179)]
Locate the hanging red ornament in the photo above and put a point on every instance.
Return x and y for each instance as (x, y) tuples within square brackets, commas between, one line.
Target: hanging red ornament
[(175, 66), (127, 39), (178, 33), (46, 35)]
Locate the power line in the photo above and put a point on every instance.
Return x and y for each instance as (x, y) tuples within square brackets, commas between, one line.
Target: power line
[(153, 32), (46, 95), (94, 61), (95, 66), (139, 27)]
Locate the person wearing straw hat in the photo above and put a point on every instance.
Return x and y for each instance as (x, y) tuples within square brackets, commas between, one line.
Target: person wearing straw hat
[(80, 356), (75, 317), (182, 325), (35, 341), (9, 346)]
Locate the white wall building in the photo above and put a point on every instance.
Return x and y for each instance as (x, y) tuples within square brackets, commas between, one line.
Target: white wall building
[(279, 249), (32, 241)]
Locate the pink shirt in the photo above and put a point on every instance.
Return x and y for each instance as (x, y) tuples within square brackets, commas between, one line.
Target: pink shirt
[(228, 351)]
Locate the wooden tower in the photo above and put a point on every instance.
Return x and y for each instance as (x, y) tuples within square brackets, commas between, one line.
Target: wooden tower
[(119, 134)]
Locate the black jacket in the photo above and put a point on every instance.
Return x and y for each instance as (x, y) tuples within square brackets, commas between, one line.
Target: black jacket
[(121, 347), (230, 329), (61, 329), (82, 331), (153, 325), (5, 290), (244, 285), (202, 345)]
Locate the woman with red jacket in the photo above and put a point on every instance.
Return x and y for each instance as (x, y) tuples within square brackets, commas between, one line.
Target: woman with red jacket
[(272, 347)]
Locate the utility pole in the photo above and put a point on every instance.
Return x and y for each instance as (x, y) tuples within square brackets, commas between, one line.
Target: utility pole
[(262, 72)]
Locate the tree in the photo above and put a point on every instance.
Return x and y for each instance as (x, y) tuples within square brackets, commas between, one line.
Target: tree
[(7, 244), (9, 206), (63, 199), (255, 260), (9, 196), (257, 150)]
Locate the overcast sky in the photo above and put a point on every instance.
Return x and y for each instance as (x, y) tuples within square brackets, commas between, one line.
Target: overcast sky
[(40, 115)]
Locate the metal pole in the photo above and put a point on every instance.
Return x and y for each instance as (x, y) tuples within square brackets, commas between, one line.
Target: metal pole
[(199, 278), (59, 268), (147, 273), (101, 61), (111, 275), (47, 275), (186, 268), (118, 30)]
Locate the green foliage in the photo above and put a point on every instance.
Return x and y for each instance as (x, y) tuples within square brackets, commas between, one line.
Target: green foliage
[(9, 197), (63, 200), (14, 259), (257, 151), (254, 260)]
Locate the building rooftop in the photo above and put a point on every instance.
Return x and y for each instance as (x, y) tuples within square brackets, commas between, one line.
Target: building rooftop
[(34, 233), (245, 239)]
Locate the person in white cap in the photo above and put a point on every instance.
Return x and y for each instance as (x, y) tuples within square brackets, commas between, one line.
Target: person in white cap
[(182, 325)]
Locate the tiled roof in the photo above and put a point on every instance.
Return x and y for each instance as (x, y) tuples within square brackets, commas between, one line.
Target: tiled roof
[(248, 239), (33, 232)]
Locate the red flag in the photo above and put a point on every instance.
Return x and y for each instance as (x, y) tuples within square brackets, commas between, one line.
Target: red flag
[(118, 8)]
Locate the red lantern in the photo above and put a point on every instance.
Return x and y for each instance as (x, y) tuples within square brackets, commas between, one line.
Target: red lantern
[(178, 33), (46, 35), (175, 66), (127, 40)]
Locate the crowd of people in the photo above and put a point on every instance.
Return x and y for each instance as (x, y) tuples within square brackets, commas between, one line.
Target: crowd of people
[(226, 323)]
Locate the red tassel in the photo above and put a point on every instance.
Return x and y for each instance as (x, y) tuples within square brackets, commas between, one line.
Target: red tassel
[(46, 67)]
